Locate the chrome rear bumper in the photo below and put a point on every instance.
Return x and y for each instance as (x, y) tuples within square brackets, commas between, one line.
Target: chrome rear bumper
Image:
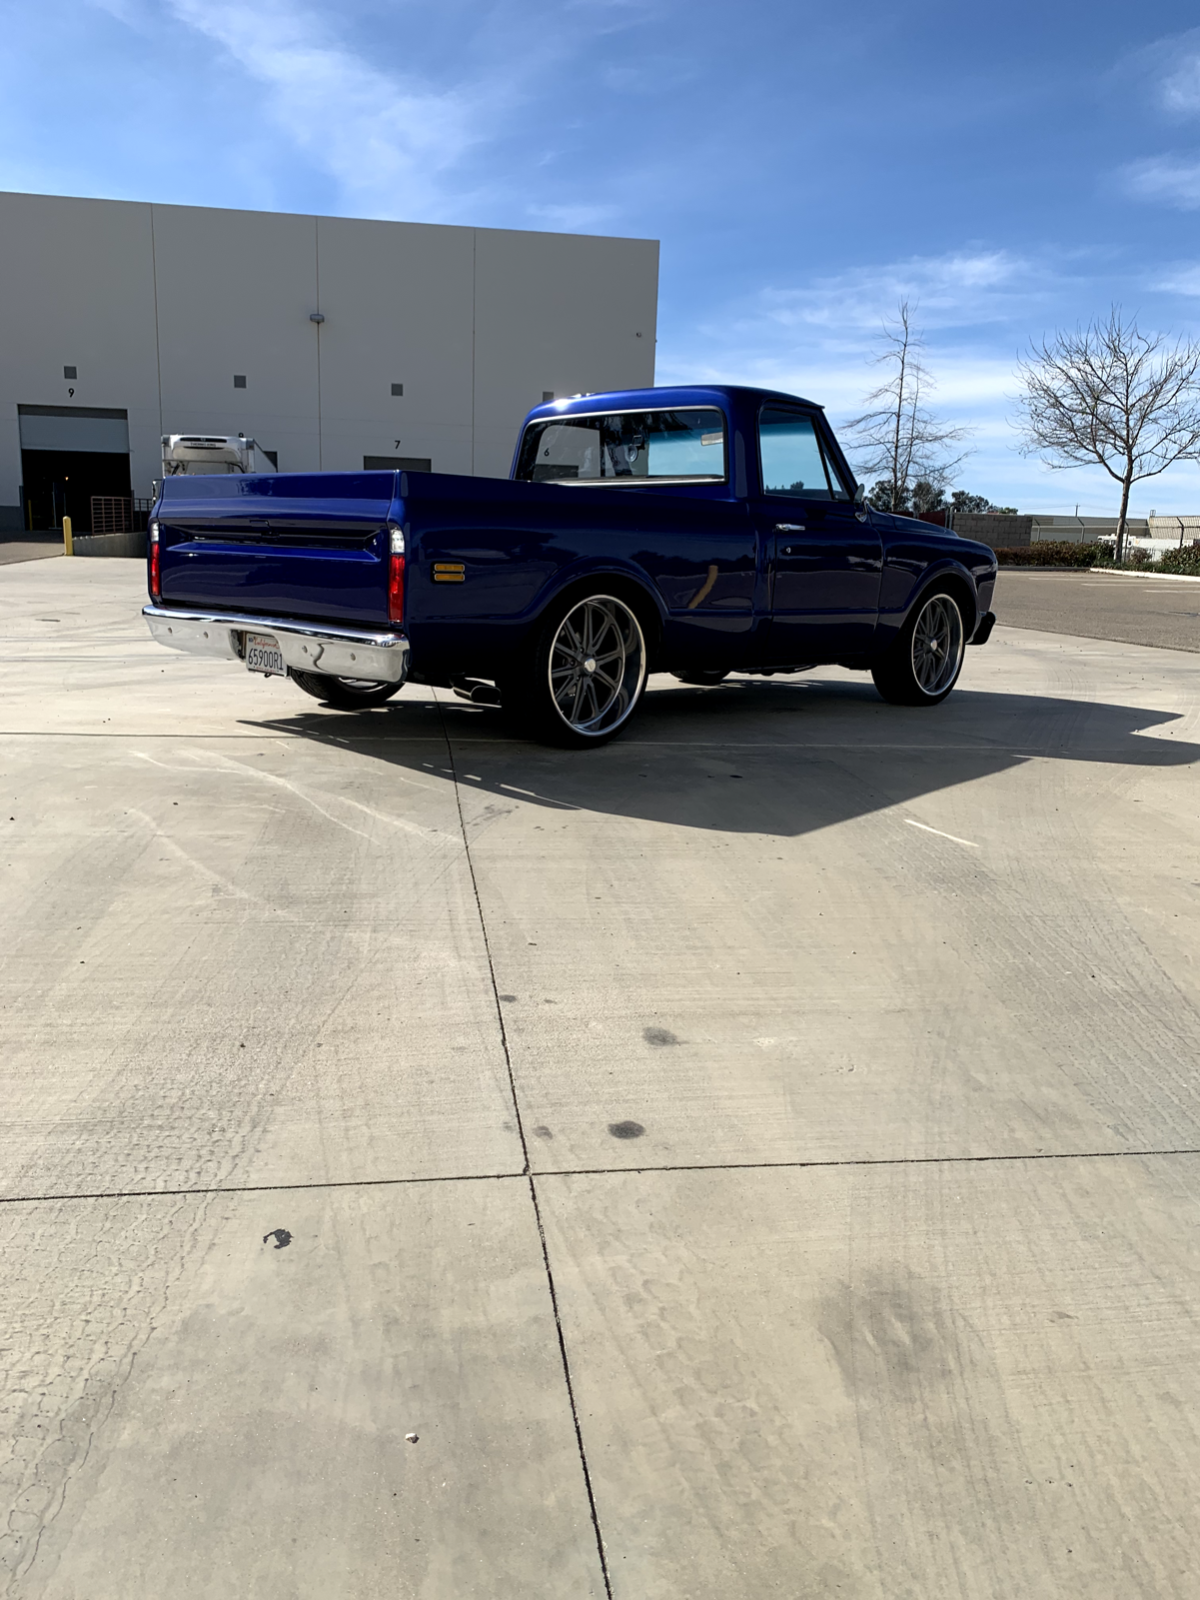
[(306, 646)]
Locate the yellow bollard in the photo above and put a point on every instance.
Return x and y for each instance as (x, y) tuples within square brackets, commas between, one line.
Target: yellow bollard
[(68, 538)]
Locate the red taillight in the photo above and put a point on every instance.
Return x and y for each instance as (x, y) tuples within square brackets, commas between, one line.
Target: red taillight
[(396, 589), (395, 574), (155, 575)]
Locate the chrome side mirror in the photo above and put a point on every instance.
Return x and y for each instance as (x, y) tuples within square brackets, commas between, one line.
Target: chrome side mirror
[(860, 495)]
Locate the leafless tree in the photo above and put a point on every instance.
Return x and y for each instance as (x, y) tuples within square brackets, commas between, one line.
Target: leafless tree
[(898, 438), (1112, 396)]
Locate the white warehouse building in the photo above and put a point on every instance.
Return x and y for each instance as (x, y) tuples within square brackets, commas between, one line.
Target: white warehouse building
[(337, 344)]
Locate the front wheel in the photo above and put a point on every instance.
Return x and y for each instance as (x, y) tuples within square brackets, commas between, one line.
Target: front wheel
[(922, 666), (347, 694), (586, 674)]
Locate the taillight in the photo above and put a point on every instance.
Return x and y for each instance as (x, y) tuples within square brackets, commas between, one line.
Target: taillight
[(155, 559), (396, 577)]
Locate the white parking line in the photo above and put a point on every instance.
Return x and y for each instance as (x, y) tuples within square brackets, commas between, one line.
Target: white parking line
[(927, 829)]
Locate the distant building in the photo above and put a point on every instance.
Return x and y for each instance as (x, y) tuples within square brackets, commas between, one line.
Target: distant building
[(335, 343)]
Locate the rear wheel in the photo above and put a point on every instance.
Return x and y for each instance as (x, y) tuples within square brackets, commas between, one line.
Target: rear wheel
[(586, 674), (348, 694), (923, 664)]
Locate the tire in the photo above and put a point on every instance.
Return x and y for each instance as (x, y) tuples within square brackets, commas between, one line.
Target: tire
[(347, 694), (701, 679), (585, 675), (922, 666)]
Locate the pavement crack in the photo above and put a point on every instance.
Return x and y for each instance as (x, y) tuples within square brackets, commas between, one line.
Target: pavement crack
[(487, 944), (537, 1211), (645, 1170), (566, 1366)]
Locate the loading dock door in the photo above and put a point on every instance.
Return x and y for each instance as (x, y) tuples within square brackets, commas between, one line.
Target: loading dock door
[(69, 454)]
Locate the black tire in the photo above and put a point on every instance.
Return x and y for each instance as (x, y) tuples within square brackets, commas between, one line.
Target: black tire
[(923, 663), (701, 679), (585, 675), (347, 694)]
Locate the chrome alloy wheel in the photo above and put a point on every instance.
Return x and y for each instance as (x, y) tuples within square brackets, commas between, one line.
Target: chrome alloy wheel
[(597, 665), (938, 642)]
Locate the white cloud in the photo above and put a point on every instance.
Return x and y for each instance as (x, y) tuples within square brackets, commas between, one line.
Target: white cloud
[(950, 289), (1167, 179), (385, 141), (1182, 280), (1166, 71), (818, 339), (1180, 89)]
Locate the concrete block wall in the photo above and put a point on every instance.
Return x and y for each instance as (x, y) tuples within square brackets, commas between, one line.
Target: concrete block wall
[(1000, 532)]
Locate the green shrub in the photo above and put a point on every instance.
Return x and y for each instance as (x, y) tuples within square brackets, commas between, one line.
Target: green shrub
[(1058, 553), (1052, 553), (1185, 562)]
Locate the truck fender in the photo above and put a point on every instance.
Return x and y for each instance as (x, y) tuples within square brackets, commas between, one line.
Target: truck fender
[(629, 580), (947, 574)]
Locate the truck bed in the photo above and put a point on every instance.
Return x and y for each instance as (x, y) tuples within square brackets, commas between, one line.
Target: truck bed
[(480, 555)]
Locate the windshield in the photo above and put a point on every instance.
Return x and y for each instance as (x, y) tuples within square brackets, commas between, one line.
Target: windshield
[(625, 445)]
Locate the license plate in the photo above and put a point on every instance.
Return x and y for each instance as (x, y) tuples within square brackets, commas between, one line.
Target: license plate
[(264, 655)]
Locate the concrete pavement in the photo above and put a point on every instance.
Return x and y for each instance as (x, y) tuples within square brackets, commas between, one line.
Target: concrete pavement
[(756, 1158)]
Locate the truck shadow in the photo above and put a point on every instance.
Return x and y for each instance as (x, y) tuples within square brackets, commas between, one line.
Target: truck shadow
[(757, 756)]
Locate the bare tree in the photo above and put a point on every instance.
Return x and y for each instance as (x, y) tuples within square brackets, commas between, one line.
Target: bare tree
[(898, 437), (1112, 396)]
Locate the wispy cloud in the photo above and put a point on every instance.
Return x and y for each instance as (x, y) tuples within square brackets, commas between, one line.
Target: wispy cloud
[(1180, 87), (831, 326), (951, 289), (439, 131), (1184, 279), (1167, 180), (387, 142), (1165, 73)]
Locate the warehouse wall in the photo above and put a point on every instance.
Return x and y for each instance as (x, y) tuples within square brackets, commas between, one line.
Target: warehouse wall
[(159, 307)]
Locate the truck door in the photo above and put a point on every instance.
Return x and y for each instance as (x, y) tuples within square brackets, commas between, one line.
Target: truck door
[(825, 558)]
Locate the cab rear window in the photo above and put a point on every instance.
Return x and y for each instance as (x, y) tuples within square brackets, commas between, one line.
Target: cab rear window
[(626, 445)]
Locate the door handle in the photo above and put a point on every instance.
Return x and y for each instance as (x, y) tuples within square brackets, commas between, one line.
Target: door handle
[(789, 527)]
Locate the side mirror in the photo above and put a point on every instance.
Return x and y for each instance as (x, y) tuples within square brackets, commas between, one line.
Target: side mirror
[(860, 495)]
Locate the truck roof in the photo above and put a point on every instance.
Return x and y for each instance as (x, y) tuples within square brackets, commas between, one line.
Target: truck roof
[(691, 394)]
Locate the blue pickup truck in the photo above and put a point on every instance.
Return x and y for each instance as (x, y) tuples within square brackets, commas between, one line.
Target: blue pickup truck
[(697, 531)]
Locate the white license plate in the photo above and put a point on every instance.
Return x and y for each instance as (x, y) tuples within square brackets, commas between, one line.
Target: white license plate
[(264, 655)]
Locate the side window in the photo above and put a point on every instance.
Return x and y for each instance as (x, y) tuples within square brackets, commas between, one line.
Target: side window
[(791, 456), (836, 482)]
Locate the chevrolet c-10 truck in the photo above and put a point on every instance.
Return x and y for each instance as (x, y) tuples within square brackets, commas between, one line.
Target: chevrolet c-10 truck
[(696, 531)]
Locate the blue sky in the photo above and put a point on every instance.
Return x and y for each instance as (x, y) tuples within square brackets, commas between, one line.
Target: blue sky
[(1008, 168)]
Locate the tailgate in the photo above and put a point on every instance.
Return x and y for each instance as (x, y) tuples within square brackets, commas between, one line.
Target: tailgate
[(287, 544)]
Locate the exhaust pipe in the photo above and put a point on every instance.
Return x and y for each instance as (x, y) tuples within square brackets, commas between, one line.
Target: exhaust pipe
[(476, 691)]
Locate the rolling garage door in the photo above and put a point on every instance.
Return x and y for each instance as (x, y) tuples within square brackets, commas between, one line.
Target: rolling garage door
[(68, 455)]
